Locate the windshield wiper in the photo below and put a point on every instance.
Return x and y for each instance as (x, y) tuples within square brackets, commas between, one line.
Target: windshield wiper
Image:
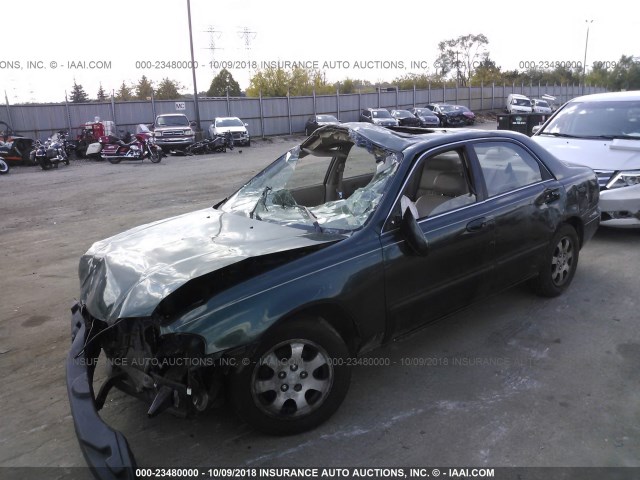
[(312, 217), (558, 134), (620, 136), (263, 200)]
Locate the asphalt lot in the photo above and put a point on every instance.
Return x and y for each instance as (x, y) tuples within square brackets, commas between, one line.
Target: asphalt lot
[(516, 380)]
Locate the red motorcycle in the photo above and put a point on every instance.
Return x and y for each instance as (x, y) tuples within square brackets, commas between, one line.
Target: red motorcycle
[(142, 146)]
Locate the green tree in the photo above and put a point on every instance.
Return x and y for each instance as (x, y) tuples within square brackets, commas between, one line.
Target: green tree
[(124, 92), (276, 82), (222, 83), (421, 81), (459, 56), (271, 82), (168, 89), (347, 86), (625, 75), (144, 89), (78, 95), (486, 73), (101, 96)]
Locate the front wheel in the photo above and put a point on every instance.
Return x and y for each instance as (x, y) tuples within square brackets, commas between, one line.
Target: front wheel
[(296, 380), (4, 167), (155, 155), (559, 264)]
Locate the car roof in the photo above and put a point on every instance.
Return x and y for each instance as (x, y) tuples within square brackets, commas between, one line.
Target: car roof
[(633, 95), (226, 118), (172, 115), (401, 138)]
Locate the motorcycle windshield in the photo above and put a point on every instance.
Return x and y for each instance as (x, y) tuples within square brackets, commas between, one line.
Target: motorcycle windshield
[(142, 128)]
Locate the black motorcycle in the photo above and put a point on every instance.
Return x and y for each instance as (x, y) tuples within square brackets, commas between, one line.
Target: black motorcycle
[(50, 153), (219, 143)]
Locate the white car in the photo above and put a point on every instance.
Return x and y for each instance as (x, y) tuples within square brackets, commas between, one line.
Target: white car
[(602, 131), (517, 103), (540, 106), (237, 127)]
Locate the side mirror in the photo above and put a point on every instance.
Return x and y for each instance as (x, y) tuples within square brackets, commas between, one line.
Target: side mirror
[(246, 124), (192, 123), (413, 234), (536, 128)]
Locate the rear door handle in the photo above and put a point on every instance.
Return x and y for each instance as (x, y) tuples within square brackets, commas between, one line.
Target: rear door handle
[(477, 224), (548, 196)]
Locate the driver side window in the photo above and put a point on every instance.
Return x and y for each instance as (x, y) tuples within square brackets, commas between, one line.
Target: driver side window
[(440, 184)]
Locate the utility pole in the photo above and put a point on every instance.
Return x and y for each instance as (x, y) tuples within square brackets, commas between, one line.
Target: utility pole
[(584, 65), (193, 70)]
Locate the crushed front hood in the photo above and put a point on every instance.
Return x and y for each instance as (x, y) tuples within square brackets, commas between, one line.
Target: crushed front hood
[(129, 274)]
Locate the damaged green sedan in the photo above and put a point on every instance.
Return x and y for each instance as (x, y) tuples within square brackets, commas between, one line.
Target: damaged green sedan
[(355, 237)]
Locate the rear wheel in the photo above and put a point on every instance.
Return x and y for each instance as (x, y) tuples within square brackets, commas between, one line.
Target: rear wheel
[(560, 263), (4, 166), (114, 160), (296, 379)]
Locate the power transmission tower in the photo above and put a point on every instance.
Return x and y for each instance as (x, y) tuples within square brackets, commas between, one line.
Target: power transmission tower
[(214, 35), (247, 36)]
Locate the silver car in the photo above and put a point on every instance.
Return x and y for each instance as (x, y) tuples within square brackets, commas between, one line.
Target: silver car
[(173, 131), (602, 131)]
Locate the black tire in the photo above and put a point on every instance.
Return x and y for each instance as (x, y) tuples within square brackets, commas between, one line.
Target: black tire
[(45, 165), (248, 143), (155, 156), (559, 264), (275, 393), (4, 167), (306, 131), (114, 160)]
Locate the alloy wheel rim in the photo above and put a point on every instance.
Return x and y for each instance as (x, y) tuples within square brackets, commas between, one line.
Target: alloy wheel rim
[(562, 261), (292, 379)]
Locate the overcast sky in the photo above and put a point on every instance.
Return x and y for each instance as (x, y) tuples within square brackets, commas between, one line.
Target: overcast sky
[(123, 32)]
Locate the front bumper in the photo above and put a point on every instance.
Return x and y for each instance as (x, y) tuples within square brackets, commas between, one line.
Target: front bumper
[(174, 142), (621, 207), (106, 450)]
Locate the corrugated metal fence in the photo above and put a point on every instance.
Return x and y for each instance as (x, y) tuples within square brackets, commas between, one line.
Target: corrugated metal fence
[(268, 116)]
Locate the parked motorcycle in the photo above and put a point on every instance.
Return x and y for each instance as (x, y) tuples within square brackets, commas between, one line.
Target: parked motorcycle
[(4, 166), (219, 143), (53, 151), (140, 147)]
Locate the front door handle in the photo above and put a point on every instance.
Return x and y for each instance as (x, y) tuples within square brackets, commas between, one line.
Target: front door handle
[(477, 224)]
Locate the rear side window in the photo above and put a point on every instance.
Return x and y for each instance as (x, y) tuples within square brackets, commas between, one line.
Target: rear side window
[(506, 166)]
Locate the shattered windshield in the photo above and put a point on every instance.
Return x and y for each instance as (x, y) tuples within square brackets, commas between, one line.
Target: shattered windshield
[(333, 182)]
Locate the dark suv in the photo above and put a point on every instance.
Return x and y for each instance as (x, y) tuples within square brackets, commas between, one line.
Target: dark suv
[(378, 116)]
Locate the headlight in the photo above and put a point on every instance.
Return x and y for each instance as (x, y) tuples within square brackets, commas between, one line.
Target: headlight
[(625, 179), (157, 134)]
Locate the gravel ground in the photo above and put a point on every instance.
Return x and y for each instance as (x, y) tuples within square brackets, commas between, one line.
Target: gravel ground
[(514, 381)]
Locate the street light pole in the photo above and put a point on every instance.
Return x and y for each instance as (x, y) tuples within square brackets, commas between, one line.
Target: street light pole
[(584, 65), (193, 70)]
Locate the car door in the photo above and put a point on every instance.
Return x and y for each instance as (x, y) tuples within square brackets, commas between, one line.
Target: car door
[(442, 189), (524, 201)]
